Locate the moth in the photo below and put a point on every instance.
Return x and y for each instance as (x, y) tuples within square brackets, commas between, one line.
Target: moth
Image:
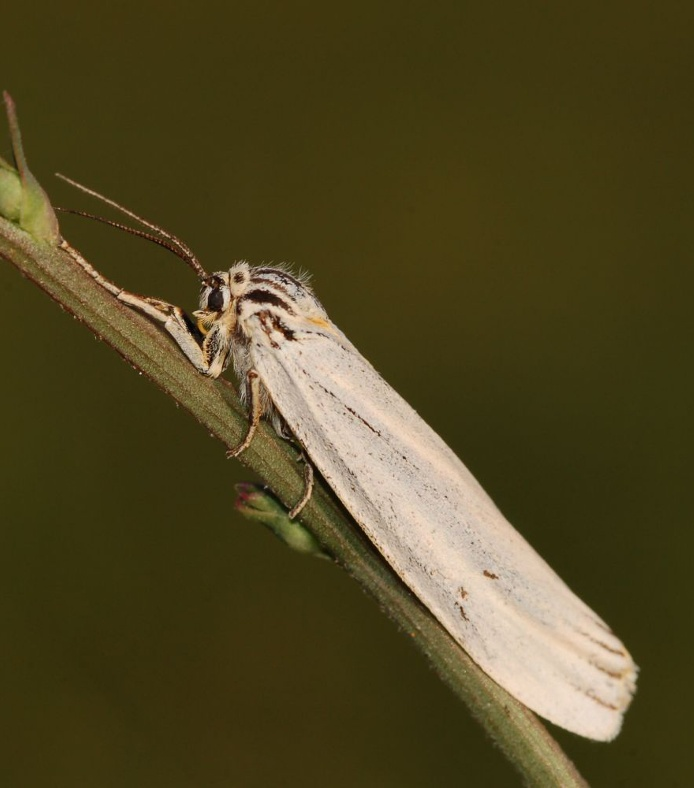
[(412, 496)]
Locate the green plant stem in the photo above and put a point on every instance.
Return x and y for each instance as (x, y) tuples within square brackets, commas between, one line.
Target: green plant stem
[(216, 407)]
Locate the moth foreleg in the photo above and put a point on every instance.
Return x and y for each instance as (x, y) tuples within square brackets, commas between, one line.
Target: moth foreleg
[(176, 323), (172, 318)]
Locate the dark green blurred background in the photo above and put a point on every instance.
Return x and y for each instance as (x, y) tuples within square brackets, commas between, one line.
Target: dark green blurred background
[(496, 206)]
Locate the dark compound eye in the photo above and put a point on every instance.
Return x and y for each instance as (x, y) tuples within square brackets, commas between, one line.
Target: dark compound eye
[(215, 300)]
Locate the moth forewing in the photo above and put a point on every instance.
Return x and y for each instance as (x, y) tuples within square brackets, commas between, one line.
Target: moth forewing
[(438, 529), (444, 536)]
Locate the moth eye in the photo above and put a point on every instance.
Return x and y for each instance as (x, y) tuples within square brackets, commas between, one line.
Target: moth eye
[(215, 300)]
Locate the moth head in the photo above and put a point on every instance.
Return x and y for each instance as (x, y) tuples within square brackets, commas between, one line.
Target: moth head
[(215, 295)]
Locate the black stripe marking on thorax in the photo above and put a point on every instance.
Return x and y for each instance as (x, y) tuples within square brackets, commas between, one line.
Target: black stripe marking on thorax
[(264, 296)]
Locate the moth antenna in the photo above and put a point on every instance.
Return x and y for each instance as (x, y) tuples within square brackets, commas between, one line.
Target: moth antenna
[(140, 234), (175, 245)]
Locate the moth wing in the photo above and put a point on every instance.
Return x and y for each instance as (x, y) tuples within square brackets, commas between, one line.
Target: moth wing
[(443, 535)]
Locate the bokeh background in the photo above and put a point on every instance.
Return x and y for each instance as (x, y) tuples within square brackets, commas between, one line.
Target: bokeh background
[(495, 201)]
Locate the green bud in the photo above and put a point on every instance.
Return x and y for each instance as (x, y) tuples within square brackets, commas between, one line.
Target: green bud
[(257, 503), (10, 192), (22, 200)]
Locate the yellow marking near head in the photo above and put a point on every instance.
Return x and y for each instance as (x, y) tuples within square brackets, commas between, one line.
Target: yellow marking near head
[(205, 319)]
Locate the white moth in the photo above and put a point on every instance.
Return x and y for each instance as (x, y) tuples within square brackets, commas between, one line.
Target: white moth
[(411, 495)]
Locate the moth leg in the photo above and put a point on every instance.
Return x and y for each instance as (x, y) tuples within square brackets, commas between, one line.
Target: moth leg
[(256, 399), (255, 411), (172, 318), (107, 284), (308, 490)]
